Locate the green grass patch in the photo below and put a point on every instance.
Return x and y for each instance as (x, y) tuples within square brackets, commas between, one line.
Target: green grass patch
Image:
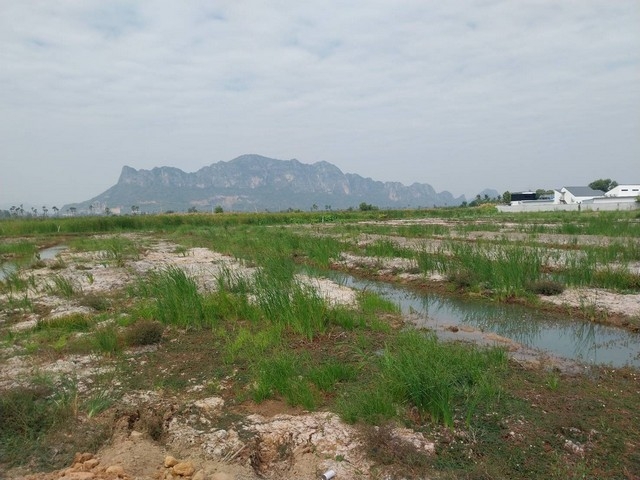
[(440, 380), (107, 341), (29, 416), (62, 286), (177, 299)]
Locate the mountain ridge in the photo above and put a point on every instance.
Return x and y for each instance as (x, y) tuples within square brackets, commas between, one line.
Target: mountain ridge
[(256, 183)]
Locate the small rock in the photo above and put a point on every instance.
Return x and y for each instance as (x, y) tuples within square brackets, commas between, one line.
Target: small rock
[(170, 461), (82, 457), (115, 470), (574, 448), (210, 404), (184, 469), (199, 475), (91, 463), (135, 435)]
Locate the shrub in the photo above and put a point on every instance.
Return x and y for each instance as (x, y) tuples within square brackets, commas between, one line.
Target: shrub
[(546, 287), (144, 332), (96, 302)]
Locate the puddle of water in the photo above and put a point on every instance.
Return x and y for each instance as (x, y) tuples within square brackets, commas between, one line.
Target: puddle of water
[(572, 339), (7, 269), (50, 253)]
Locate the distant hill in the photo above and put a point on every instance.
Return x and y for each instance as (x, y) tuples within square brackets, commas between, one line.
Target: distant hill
[(256, 183), (489, 192)]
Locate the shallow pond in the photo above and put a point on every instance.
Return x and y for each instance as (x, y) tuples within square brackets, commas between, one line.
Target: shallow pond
[(563, 337)]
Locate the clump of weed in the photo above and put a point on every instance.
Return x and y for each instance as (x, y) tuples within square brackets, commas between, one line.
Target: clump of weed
[(327, 375), (368, 403), (404, 459), (62, 286), (282, 374), (435, 377), (107, 341), (545, 287), (58, 265), (177, 299), (13, 282), (144, 332), (460, 279), (69, 323), (28, 416), (37, 264), (97, 403), (97, 302), (250, 345)]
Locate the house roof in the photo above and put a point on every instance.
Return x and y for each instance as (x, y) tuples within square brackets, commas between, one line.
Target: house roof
[(584, 192)]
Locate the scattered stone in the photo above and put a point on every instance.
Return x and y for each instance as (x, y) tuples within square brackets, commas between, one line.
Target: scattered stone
[(199, 475), (184, 469), (116, 470), (82, 457), (135, 435), (90, 464), (210, 405), (170, 461), (574, 448), (416, 439)]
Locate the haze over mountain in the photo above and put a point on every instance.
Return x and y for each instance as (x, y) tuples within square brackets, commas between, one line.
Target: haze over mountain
[(257, 183)]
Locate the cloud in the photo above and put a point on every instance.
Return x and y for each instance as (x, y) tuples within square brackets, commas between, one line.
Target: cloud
[(462, 95)]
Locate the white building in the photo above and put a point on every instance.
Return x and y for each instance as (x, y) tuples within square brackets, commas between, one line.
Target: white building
[(624, 191), (572, 195), (622, 197)]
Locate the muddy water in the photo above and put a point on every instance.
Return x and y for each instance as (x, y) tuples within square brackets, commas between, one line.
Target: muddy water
[(557, 336)]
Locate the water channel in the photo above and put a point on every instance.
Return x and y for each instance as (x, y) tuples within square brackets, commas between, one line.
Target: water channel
[(577, 340), (573, 339)]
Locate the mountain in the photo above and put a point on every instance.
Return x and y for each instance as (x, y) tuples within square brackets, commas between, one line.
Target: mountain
[(256, 183), (489, 192)]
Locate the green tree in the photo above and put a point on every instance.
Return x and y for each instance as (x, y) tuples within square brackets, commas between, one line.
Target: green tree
[(604, 184), (218, 209), (366, 207), (506, 197)]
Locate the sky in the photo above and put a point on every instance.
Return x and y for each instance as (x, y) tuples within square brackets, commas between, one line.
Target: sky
[(462, 95)]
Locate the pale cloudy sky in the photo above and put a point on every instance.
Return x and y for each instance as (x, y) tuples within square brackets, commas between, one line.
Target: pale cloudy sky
[(463, 95)]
